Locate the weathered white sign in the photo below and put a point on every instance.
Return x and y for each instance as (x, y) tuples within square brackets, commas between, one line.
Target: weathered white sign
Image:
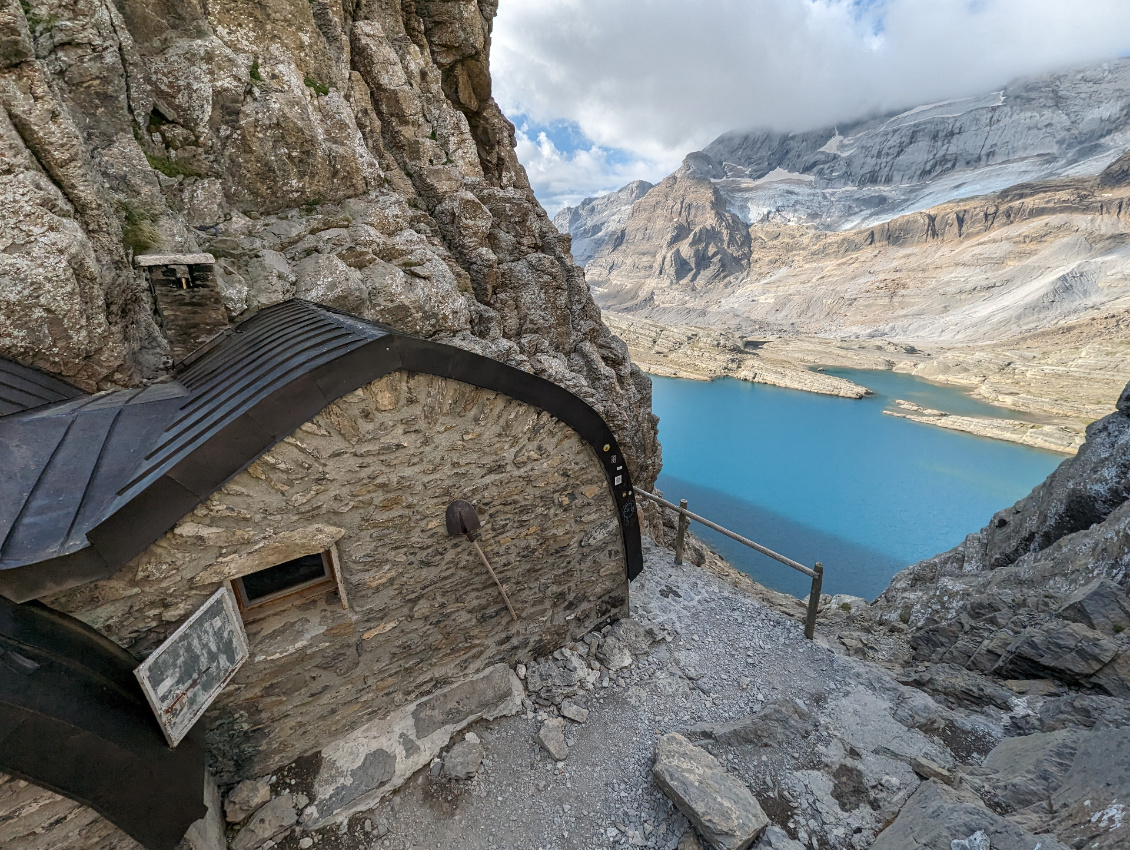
[(187, 672)]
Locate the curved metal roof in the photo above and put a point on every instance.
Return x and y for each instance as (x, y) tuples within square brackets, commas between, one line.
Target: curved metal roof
[(73, 720), (95, 480)]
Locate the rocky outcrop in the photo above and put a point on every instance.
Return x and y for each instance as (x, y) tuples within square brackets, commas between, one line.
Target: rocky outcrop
[(1056, 438), (346, 153), (1041, 591), (880, 167), (680, 235), (721, 808), (594, 219)]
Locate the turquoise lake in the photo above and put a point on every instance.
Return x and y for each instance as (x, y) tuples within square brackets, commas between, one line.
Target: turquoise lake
[(820, 478)]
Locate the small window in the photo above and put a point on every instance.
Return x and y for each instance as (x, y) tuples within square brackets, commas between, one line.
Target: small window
[(305, 573)]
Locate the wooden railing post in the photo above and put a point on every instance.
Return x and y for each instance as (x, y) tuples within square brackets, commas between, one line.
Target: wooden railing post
[(685, 516), (681, 535), (813, 601)]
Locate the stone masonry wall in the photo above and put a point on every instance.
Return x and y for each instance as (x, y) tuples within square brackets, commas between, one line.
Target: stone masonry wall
[(373, 474), (33, 818)]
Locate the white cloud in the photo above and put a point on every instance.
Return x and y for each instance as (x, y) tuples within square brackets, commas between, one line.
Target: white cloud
[(563, 178), (659, 78)]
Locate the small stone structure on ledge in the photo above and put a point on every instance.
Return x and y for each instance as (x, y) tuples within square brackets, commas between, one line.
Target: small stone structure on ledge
[(307, 458), (186, 300)]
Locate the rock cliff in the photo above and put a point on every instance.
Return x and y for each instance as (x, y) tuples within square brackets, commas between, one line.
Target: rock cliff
[(592, 220), (349, 153)]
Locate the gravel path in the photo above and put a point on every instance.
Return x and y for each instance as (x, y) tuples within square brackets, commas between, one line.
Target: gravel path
[(724, 656)]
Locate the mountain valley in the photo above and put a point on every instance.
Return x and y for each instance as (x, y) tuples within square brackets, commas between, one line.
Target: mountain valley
[(972, 243)]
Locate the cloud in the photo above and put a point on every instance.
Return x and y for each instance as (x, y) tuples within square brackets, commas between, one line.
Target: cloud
[(655, 79), (566, 175)]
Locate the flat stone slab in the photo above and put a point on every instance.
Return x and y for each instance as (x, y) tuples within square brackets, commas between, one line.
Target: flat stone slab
[(360, 768), (146, 260), (721, 808)]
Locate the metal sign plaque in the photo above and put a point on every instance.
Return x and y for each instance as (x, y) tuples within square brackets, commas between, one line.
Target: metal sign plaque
[(187, 672)]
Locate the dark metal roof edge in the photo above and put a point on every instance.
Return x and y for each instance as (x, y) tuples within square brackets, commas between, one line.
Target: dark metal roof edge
[(47, 382), (73, 720), (156, 508)]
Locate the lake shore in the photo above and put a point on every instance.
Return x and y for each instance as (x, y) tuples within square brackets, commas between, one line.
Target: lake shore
[(1053, 438), (1061, 380)]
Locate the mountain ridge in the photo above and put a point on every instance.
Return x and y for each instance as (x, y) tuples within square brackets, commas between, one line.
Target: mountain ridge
[(1034, 237)]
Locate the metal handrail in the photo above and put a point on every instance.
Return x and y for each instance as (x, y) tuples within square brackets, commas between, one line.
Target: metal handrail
[(816, 573)]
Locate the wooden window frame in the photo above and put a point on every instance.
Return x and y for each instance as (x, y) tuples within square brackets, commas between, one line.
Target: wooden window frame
[(331, 562)]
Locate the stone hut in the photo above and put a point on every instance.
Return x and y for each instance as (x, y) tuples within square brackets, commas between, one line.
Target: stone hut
[(305, 457)]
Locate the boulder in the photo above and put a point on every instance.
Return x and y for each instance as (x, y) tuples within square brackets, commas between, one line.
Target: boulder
[(272, 819), (1084, 711), (961, 685), (613, 654), (931, 770), (937, 817), (1114, 677), (1069, 651), (847, 604), (720, 807), (552, 681), (1100, 605), (573, 711)]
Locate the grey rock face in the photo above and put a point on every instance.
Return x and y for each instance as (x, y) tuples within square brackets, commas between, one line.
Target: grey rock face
[(1017, 595), (359, 160), (961, 685), (936, 816), (1101, 605), (272, 819), (1069, 651), (869, 171), (775, 838), (1123, 404), (721, 808), (775, 725), (1032, 129), (1083, 711), (594, 219), (1028, 769)]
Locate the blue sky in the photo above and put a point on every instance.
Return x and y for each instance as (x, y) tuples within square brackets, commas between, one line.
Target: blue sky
[(606, 91)]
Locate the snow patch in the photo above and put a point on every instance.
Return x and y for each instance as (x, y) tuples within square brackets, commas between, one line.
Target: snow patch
[(1110, 818), (834, 145), (778, 175)]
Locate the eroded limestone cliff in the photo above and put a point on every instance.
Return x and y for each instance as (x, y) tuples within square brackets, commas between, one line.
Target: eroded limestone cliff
[(345, 152)]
